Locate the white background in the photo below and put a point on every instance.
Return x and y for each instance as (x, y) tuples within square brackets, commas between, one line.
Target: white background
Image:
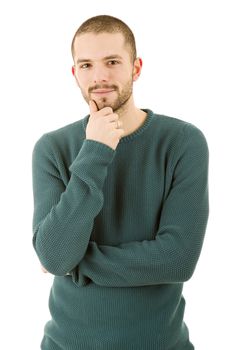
[(186, 47)]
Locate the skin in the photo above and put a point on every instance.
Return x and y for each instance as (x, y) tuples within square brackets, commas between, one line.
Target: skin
[(97, 72), (105, 77)]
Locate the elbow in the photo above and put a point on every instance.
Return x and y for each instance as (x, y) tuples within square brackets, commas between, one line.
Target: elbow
[(53, 268), (56, 267), (187, 268), (186, 274), (57, 263)]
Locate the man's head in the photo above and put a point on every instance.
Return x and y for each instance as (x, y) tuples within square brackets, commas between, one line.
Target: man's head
[(107, 24), (105, 62)]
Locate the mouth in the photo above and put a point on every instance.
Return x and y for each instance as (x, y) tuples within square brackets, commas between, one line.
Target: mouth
[(102, 91)]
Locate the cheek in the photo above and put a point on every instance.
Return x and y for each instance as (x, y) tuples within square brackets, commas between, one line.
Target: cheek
[(82, 82), (120, 78)]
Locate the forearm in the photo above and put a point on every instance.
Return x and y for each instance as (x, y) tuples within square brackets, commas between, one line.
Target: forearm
[(62, 235), (172, 256), (163, 260)]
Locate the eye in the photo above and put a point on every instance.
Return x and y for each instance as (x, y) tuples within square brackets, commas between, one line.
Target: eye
[(113, 62), (85, 66)]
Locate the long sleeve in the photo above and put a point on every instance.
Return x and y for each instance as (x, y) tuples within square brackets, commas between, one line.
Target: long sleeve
[(172, 255), (64, 214)]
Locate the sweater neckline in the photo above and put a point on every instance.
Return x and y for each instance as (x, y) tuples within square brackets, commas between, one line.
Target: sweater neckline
[(134, 134)]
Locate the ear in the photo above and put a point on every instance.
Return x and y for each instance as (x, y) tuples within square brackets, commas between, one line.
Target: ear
[(137, 68), (73, 72)]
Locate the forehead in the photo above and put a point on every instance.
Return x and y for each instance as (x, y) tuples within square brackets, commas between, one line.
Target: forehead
[(95, 46)]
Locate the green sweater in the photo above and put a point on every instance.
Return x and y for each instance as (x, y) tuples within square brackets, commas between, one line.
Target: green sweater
[(121, 231)]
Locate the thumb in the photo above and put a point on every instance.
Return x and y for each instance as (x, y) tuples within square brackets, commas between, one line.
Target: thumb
[(93, 106)]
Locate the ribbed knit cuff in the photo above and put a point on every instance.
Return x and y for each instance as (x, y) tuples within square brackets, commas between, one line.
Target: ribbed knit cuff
[(92, 161)]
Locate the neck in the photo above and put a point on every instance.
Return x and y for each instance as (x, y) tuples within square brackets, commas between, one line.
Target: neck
[(131, 116)]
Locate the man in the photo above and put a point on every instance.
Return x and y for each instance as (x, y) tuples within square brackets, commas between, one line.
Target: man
[(120, 207)]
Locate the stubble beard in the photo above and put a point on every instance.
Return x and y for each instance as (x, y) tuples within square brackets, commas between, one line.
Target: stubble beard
[(119, 104)]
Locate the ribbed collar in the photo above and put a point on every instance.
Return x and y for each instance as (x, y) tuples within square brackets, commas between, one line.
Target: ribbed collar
[(134, 134)]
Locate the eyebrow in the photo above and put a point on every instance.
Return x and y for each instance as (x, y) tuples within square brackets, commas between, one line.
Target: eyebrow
[(111, 57)]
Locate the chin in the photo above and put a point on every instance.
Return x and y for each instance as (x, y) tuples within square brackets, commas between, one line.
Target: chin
[(106, 103)]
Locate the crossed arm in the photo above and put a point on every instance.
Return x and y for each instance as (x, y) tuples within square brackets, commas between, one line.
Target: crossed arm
[(172, 256)]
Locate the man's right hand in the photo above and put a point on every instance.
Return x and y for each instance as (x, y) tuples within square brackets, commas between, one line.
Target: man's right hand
[(43, 269), (104, 126)]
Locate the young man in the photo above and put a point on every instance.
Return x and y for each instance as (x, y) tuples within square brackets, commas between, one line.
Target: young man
[(120, 207)]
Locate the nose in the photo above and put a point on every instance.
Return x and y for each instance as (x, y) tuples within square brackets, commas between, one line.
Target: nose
[(100, 74)]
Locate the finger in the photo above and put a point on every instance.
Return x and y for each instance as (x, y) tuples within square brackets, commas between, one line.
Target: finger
[(43, 269), (118, 124), (108, 113), (113, 117), (120, 132), (93, 106)]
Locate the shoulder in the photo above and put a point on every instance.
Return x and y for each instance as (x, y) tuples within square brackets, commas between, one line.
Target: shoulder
[(174, 124), (62, 137), (177, 139), (177, 129), (187, 140), (67, 131)]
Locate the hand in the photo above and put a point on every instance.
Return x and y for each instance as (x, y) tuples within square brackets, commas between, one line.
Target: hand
[(43, 269), (104, 126)]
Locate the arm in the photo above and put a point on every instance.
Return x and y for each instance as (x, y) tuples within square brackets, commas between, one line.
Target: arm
[(172, 256), (63, 215)]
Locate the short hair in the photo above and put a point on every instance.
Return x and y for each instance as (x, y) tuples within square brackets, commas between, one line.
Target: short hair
[(107, 24)]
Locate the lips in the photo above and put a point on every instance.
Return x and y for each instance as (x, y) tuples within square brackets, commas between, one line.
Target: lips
[(102, 91)]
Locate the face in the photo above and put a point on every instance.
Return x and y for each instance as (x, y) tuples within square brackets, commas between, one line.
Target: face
[(104, 70)]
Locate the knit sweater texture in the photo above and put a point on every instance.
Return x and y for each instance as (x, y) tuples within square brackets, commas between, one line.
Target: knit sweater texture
[(121, 231)]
